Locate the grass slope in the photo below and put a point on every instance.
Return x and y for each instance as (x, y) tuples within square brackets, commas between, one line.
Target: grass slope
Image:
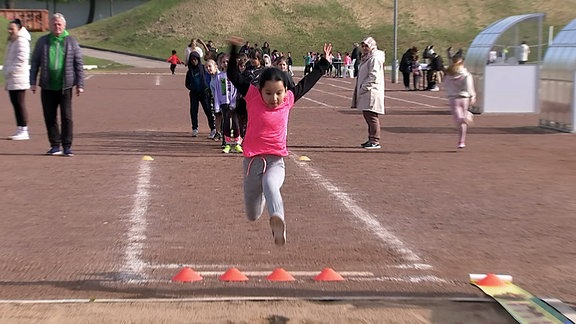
[(158, 26)]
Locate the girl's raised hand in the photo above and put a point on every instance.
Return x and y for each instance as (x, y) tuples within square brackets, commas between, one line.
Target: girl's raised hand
[(235, 40), (327, 49)]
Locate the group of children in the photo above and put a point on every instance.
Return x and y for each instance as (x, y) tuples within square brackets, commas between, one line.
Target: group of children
[(210, 88), (240, 85)]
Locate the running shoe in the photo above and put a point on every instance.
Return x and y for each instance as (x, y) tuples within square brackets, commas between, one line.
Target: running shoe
[(278, 230)]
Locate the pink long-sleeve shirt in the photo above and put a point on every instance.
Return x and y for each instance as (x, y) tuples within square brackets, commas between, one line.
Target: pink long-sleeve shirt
[(267, 128)]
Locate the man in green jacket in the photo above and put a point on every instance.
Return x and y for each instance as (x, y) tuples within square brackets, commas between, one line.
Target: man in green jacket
[(58, 59)]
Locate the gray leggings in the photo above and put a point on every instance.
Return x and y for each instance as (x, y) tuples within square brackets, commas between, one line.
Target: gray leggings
[(263, 178)]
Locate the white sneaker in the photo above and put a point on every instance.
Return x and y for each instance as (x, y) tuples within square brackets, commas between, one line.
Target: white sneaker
[(21, 135), (278, 230), (435, 89), (212, 134), (194, 132)]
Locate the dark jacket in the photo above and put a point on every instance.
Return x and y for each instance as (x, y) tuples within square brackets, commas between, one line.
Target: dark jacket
[(436, 63), (405, 62), (73, 64), (204, 85)]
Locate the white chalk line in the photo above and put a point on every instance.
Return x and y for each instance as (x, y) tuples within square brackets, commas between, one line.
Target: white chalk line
[(371, 223), (133, 266), (258, 276), (316, 102), (410, 101)]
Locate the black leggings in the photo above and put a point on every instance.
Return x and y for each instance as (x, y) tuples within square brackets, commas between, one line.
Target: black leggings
[(17, 98), (231, 124)]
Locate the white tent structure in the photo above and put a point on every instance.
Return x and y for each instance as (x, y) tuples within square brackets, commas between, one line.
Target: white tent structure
[(503, 85), (557, 86)]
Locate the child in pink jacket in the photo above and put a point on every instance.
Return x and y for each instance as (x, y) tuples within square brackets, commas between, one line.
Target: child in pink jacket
[(268, 106)]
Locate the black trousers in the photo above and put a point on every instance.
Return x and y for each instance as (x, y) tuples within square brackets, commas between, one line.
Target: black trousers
[(231, 124), (406, 78), (197, 99), (51, 100), (17, 98)]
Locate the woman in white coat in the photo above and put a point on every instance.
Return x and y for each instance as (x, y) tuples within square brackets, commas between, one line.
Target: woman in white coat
[(17, 74), (369, 91)]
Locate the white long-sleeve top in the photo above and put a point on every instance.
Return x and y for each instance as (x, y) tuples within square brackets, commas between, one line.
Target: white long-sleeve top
[(460, 84)]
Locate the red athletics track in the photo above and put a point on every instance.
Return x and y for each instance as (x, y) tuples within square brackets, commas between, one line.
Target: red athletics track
[(411, 219)]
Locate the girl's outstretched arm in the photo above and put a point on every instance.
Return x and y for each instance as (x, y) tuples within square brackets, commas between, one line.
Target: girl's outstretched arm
[(233, 72), (310, 79)]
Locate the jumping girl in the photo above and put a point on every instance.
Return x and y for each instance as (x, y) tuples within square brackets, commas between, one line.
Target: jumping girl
[(268, 106)]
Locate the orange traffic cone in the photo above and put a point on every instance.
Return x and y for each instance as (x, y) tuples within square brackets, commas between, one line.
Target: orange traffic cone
[(186, 275), (280, 274), (491, 280), (233, 274), (328, 275)]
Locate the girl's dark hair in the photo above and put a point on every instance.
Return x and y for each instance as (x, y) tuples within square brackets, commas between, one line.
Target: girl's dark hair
[(272, 74), (257, 55), (17, 21)]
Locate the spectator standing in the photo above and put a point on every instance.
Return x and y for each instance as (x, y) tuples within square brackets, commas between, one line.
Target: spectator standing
[(307, 63), (17, 75), (58, 58), (369, 91), (435, 71), (523, 53), (404, 66), (347, 65), (246, 48), (290, 63), (356, 58), (337, 63), (211, 48), (194, 46), (266, 48)]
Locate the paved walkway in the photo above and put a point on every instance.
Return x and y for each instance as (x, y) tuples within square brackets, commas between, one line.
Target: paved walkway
[(136, 61), (122, 58)]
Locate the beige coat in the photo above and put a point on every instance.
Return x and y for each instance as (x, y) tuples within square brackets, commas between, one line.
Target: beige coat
[(369, 90), (16, 62)]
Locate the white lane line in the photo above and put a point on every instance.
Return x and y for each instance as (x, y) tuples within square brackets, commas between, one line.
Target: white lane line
[(341, 87), (332, 94), (370, 221), (133, 266), (404, 279), (157, 80), (317, 102), (410, 101), (409, 279), (415, 266), (255, 273)]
